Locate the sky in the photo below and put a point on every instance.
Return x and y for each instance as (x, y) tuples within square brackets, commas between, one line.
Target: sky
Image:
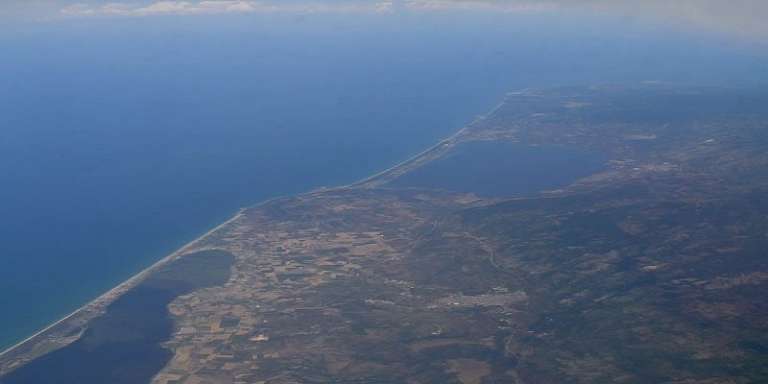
[(743, 18)]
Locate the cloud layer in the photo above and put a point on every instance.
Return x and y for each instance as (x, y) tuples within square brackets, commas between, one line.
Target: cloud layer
[(742, 17), (745, 17), (167, 7)]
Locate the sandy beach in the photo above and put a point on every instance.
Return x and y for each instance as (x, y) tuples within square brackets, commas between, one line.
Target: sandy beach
[(96, 306)]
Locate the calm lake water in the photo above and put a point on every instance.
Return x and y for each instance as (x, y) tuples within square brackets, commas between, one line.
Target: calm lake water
[(124, 346), (122, 139), (505, 169)]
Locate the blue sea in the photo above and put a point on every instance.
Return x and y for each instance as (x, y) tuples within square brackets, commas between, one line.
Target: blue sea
[(123, 138)]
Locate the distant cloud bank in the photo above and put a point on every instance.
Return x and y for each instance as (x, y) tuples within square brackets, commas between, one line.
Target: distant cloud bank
[(166, 7), (742, 17)]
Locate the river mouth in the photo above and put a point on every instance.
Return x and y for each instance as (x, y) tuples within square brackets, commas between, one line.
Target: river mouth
[(124, 345), (504, 168)]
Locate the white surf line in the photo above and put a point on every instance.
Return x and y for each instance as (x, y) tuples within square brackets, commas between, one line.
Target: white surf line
[(136, 278), (115, 292), (434, 147)]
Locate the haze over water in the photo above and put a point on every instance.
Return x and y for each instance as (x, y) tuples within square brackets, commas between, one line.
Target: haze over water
[(122, 138)]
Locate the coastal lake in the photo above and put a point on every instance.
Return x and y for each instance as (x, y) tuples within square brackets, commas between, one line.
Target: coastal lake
[(123, 346), (504, 169), (121, 139)]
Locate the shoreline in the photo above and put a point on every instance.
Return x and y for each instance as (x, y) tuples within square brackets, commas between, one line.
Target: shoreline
[(373, 180), (109, 296), (370, 181)]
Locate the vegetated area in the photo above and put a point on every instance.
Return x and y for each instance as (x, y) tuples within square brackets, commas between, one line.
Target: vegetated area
[(649, 269)]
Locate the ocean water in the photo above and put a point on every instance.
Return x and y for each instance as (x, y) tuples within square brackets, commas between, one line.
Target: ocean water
[(122, 139)]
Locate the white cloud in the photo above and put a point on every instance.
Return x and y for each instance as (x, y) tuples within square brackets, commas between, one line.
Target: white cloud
[(166, 7), (159, 8), (469, 5), (743, 17)]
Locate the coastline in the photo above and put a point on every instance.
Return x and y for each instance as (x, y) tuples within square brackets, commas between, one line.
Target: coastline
[(96, 305), (430, 153)]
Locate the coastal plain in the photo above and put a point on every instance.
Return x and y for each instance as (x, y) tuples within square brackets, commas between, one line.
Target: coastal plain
[(572, 235)]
